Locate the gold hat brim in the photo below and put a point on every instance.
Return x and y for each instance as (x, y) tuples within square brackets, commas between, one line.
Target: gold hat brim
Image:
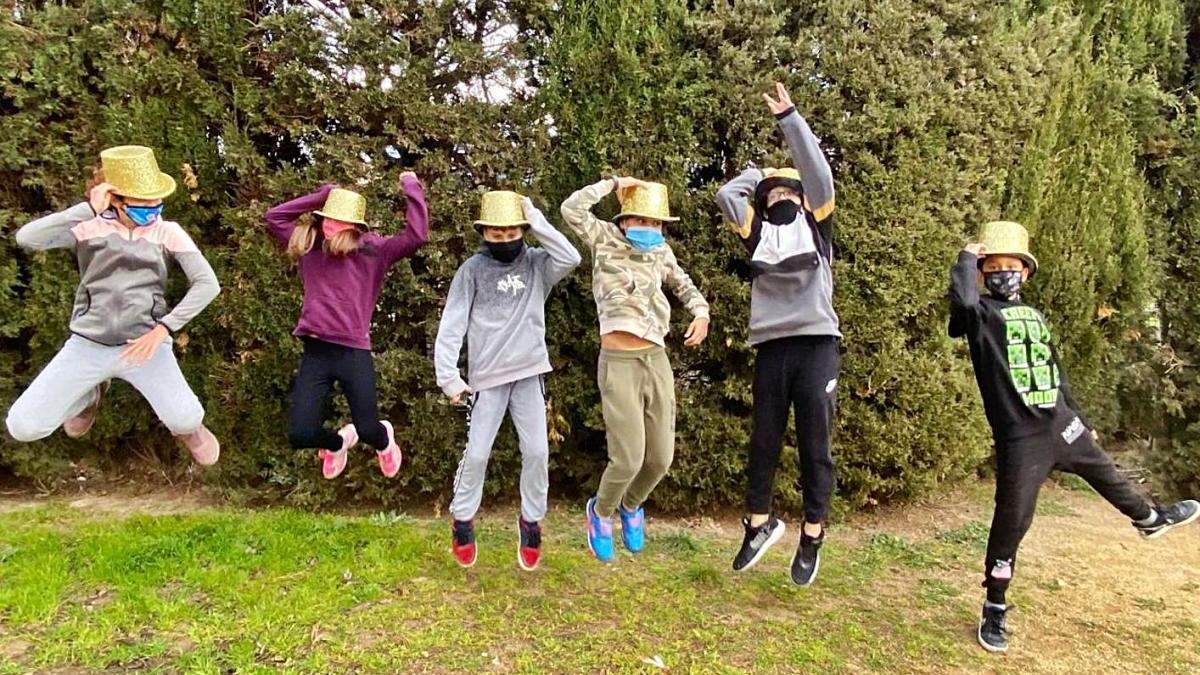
[(650, 216), (492, 223), (166, 187), (335, 216), (1027, 258)]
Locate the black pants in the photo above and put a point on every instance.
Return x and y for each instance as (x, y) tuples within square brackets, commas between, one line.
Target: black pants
[(800, 373), (322, 364), (1023, 466)]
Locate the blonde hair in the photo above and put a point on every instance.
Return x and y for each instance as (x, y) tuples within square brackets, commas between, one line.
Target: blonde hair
[(304, 237)]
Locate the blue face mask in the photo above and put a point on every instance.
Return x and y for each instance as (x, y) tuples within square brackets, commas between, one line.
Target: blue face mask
[(644, 238), (143, 215)]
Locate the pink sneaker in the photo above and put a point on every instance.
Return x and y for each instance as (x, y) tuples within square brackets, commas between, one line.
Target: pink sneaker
[(203, 445), (82, 423), (333, 462), (391, 457)]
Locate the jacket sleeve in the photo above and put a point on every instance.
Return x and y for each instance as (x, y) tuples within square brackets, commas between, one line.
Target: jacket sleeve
[(964, 294), (416, 224), (281, 219), (54, 231), (577, 212), (682, 286), (203, 286), (451, 331), (1065, 388), (562, 256), (810, 161), (734, 201)]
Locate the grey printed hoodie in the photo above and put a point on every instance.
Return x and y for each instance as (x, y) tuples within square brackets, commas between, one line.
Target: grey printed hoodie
[(500, 309)]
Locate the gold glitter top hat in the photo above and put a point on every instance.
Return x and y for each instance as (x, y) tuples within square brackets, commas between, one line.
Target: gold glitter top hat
[(133, 171), (648, 201), (344, 205), (501, 208), (773, 178), (1004, 237)]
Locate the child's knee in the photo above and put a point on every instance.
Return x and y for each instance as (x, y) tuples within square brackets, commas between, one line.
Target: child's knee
[(24, 428)]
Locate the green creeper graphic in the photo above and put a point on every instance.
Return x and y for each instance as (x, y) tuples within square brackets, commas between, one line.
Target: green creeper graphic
[(1030, 358), (1016, 355), (1016, 333)]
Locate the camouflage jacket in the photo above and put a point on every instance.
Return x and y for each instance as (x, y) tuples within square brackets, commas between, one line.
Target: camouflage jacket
[(627, 283)]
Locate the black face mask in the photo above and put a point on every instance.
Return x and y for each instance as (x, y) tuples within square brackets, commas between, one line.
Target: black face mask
[(782, 212), (505, 251), (1003, 285)]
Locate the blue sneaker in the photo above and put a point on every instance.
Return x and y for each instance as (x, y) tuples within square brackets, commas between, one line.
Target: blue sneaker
[(599, 533), (633, 528)]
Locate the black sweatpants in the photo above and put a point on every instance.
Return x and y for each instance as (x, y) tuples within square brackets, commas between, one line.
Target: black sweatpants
[(322, 364), (797, 373), (1022, 467)]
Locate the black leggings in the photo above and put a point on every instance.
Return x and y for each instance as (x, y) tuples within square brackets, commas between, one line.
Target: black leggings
[(801, 373), (1023, 466), (322, 364)]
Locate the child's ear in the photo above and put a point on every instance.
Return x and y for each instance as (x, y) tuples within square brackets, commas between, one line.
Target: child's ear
[(1025, 274)]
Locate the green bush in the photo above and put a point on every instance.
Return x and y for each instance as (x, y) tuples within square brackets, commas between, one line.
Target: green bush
[(936, 118)]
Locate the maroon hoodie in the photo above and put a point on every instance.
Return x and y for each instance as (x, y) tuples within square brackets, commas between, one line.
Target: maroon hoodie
[(340, 291)]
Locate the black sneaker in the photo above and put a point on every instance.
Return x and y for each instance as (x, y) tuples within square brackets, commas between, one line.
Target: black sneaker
[(993, 634), (1175, 515), (807, 559), (757, 541), (529, 548)]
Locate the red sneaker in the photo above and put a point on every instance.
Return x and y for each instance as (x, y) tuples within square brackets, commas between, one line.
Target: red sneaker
[(529, 548), (463, 542)]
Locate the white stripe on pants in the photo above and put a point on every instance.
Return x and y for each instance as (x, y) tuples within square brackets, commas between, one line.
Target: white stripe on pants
[(67, 385), (525, 401)]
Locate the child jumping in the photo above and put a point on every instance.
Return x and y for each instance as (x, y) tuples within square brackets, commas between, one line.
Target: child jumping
[(342, 265), (121, 325), (1036, 425), (784, 218), (630, 263), (497, 302)]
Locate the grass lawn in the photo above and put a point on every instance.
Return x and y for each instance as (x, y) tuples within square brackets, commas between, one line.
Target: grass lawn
[(86, 587)]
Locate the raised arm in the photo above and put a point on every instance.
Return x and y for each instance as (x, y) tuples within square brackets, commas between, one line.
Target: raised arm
[(562, 256), (416, 222), (733, 199), (815, 174), (451, 331), (281, 219), (577, 211), (964, 290), (203, 286), (53, 231)]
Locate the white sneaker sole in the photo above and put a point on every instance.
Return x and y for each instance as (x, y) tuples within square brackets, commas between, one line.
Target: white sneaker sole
[(1163, 530), (990, 648), (771, 541)]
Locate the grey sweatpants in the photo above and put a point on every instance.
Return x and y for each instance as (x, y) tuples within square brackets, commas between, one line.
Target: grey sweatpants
[(525, 400), (67, 385)]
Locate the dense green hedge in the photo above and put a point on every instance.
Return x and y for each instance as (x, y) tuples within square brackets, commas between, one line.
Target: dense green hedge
[(936, 118)]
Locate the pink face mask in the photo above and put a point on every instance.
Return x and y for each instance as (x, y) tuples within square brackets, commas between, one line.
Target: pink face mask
[(331, 227)]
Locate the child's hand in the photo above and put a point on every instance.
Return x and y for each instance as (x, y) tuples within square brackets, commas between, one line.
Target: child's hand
[(977, 250), (101, 197), (625, 184), (140, 350), (782, 102), (696, 332), (458, 399), (528, 208)]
